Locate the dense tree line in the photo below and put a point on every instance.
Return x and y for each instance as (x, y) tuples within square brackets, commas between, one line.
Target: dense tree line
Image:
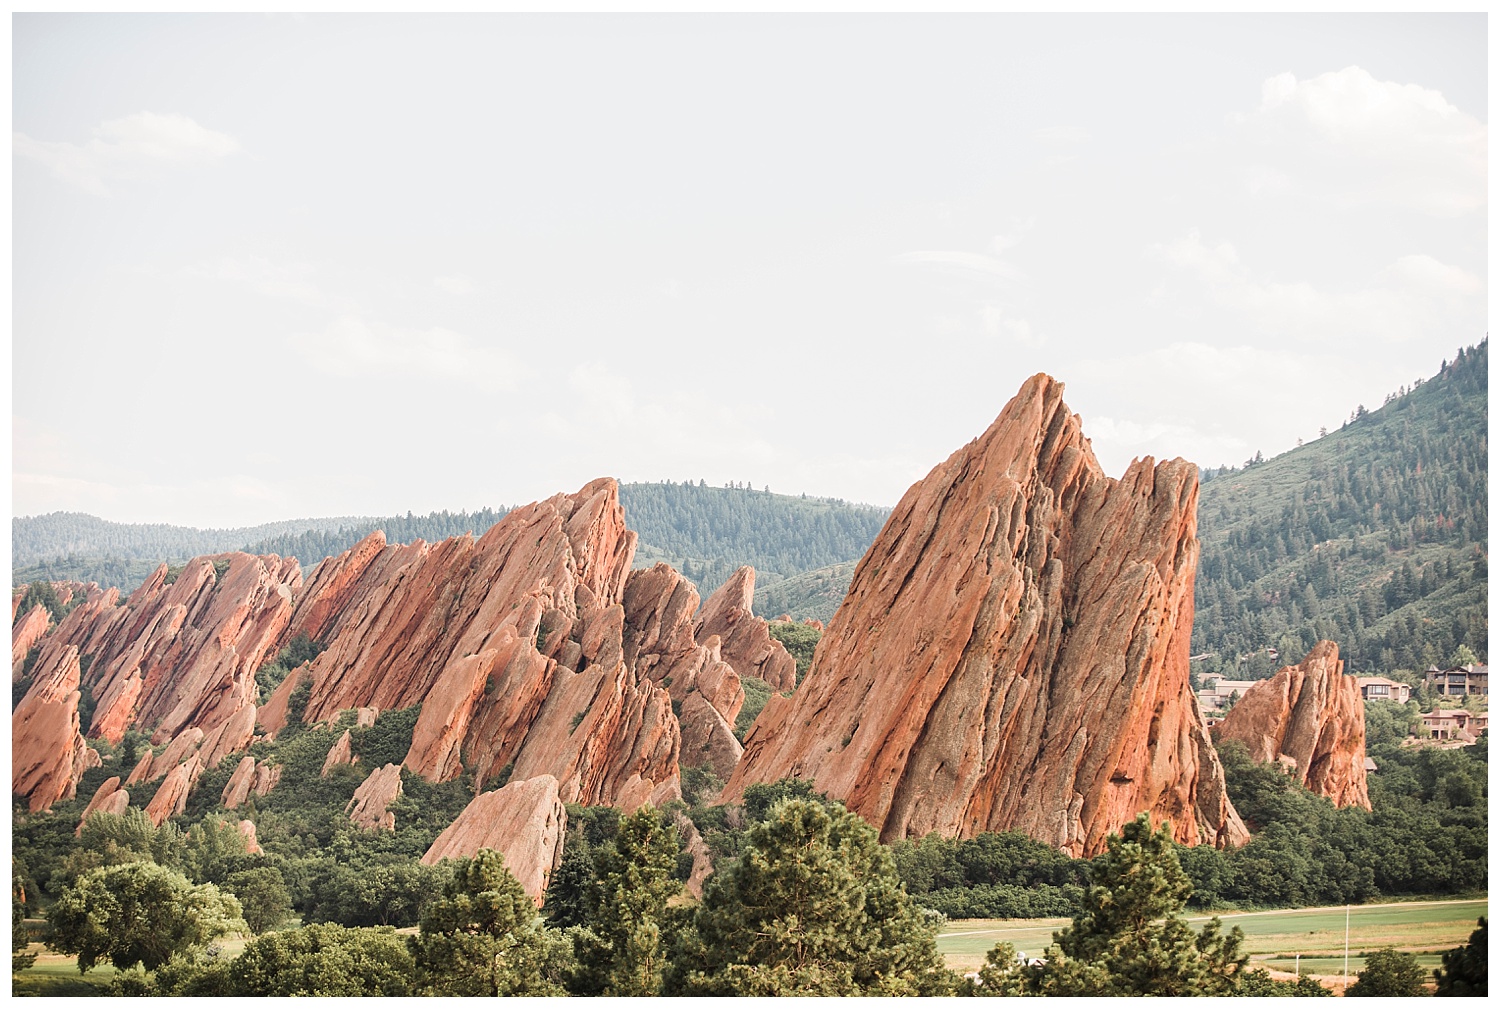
[(1374, 536), (708, 532), (59, 535)]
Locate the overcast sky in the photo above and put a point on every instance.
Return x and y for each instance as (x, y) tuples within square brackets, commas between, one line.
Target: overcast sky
[(275, 267)]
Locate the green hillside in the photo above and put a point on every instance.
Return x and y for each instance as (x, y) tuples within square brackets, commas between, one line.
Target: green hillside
[(1374, 536), (37, 539), (708, 532), (812, 594)]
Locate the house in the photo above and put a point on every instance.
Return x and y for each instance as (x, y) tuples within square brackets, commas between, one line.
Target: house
[(1215, 690), (1456, 723), (1458, 681), (1378, 688)]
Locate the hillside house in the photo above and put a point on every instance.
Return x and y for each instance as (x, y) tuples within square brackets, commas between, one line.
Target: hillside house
[(1459, 681), (1378, 688), (1215, 690), (1456, 724)]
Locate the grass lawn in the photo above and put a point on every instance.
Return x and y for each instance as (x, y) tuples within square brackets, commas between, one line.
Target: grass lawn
[(56, 974), (1272, 938)]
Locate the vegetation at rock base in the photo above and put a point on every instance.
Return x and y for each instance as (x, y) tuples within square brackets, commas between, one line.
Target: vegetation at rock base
[(1127, 939), (482, 936), (800, 641), (1466, 970), (813, 906)]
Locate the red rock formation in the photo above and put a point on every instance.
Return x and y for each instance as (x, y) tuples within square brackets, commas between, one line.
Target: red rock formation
[(1012, 653), (339, 753), (272, 716), (25, 634), (237, 790), (47, 751), (142, 768), (178, 750), (108, 798), (266, 778), (368, 806), (746, 643), (525, 821), (183, 654), (508, 642), (230, 737), (707, 738), (252, 844), (172, 795), (1311, 718)]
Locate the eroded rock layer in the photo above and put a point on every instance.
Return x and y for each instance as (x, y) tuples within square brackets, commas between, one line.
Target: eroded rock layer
[(745, 639), (47, 751), (1310, 717), (1013, 652), (525, 821)]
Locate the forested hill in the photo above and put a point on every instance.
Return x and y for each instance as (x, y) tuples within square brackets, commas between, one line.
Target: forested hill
[(706, 532), (1374, 536), (34, 539)]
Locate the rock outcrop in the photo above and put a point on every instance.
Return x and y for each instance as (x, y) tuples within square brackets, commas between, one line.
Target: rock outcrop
[(745, 639), (47, 751), (172, 794), (514, 644), (525, 821), (182, 652), (1013, 652), (252, 844), (237, 789), (108, 798), (1310, 718), (339, 753), (368, 806), (25, 634)]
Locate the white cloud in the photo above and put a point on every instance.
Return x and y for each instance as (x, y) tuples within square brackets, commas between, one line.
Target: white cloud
[(968, 263), (1061, 135), (460, 284), (1347, 137), (1403, 301), (283, 281), (352, 348), (129, 147)]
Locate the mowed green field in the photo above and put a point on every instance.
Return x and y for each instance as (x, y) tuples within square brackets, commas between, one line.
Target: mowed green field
[(1272, 938)]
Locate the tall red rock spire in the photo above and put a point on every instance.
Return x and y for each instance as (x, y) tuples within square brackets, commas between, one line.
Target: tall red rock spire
[(1013, 652)]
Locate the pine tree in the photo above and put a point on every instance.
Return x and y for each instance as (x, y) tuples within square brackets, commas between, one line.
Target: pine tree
[(623, 950), (813, 906), (1128, 939), (482, 937), (1466, 970)]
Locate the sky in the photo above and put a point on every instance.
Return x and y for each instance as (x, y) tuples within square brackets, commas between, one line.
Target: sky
[(270, 267)]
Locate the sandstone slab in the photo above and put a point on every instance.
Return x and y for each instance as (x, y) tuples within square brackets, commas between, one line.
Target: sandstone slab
[(525, 821)]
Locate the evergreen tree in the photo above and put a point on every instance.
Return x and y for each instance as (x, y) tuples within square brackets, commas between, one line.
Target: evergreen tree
[(813, 906), (623, 950), (1128, 939), (482, 937)]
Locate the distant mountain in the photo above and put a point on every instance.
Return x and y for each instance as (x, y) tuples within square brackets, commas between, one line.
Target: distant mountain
[(41, 538), (705, 532), (1374, 536)]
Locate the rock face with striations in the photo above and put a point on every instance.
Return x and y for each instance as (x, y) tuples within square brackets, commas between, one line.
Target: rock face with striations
[(47, 751), (1013, 652), (1309, 715), (513, 643), (525, 821), (745, 639), (25, 634)]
